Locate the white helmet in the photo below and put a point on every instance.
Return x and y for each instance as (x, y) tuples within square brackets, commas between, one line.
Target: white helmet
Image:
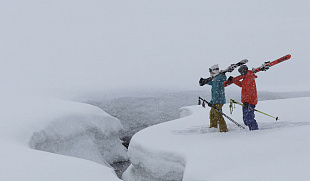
[(214, 70)]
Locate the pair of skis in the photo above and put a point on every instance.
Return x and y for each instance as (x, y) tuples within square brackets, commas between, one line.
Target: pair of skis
[(263, 67)]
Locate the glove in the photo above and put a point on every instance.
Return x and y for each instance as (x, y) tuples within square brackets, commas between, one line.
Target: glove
[(246, 105), (230, 78), (201, 82)]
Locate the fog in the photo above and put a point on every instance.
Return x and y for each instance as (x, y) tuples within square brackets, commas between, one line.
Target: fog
[(99, 45)]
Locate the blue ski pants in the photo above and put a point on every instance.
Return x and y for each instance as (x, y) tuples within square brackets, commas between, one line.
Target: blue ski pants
[(248, 117)]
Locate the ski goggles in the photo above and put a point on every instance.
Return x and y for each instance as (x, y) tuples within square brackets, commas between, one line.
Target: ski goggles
[(212, 70)]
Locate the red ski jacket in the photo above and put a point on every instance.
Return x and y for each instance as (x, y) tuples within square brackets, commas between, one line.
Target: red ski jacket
[(248, 85)]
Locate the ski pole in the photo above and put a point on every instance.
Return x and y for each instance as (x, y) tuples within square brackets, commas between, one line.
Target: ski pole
[(231, 107), (204, 103), (233, 101)]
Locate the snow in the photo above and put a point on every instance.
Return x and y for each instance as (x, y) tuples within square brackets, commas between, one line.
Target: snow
[(21, 163), (57, 127), (55, 53), (186, 149)]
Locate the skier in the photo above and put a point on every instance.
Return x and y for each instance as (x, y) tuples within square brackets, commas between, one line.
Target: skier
[(218, 98), (248, 95)]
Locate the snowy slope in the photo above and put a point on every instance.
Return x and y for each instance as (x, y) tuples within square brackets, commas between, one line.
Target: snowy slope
[(186, 149), (57, 126)]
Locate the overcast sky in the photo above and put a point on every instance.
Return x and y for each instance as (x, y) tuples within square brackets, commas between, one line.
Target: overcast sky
[(117, 45)]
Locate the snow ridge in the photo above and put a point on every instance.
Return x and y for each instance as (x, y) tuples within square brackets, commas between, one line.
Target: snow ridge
[(92, 136), (154, 165)]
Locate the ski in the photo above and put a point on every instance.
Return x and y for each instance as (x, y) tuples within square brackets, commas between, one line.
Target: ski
[(203, 81), (263, 67), (204, 102), (269, 64)]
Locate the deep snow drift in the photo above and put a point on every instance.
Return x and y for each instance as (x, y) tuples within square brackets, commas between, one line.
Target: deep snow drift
[(61, 127), (87, 133), (186, 149)]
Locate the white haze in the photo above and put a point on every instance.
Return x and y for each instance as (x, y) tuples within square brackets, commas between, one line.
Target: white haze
[(77, 46)]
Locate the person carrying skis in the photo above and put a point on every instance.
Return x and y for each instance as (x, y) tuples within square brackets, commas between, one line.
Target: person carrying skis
[(218, 98), (248, 95)]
